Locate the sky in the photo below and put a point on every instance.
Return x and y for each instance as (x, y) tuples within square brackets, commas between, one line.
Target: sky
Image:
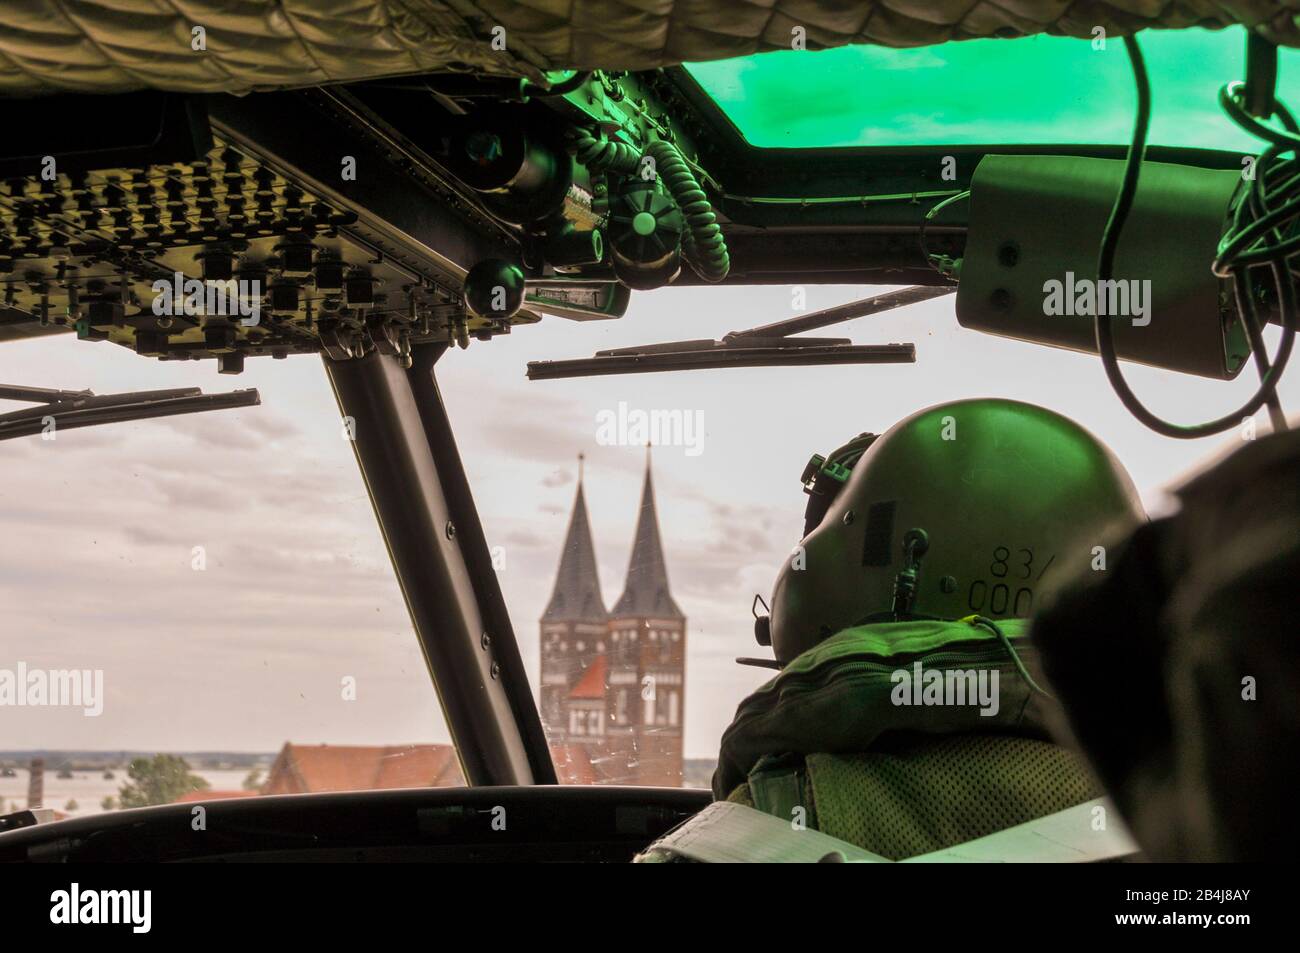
[(98, 527), (961, 93)]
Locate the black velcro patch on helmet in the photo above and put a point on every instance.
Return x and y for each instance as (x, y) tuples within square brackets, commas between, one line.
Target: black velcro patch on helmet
[(879, 533)]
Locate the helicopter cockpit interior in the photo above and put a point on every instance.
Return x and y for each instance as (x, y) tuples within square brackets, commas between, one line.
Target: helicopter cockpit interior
[(384, 186)]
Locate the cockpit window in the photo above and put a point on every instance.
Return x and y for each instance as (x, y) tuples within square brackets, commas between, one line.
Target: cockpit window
[(1041, 90), (226, 576)]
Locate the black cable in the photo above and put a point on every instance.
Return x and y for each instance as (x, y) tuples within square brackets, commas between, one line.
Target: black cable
[(1011, 651), (1230, 260), (597, 152), (1261, 71)]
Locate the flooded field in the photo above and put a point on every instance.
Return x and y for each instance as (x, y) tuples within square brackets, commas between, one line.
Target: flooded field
[(88, 789)]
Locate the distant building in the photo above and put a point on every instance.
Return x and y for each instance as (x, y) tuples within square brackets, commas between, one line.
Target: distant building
[(306, 769), (311, 769), (201, 797), (613, 682), (36, 784)]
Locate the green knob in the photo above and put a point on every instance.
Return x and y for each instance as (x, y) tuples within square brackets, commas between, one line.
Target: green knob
[(644, 223)]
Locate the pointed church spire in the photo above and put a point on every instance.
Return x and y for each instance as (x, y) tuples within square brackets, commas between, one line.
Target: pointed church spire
[(646, 592), (576, 596)]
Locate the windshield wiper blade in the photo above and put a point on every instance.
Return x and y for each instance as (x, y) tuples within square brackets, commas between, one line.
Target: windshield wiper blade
[(723, 356), (71, 409), (767, 346)]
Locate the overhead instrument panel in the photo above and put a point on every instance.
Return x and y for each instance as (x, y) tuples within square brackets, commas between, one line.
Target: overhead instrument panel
[(347, 220)]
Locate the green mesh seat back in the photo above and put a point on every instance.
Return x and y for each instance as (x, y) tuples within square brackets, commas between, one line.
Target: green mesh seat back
[(741, 795), (930, 793)]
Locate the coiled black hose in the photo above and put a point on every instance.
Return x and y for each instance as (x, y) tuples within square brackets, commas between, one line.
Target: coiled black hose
[(703, 244), (600, 154)]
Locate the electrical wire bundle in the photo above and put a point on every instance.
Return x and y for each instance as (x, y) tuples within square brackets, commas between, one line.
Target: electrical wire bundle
[(946, 266), (1262, 234)]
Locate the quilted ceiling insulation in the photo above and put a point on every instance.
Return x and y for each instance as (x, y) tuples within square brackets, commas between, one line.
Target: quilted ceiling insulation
[(240, 46)]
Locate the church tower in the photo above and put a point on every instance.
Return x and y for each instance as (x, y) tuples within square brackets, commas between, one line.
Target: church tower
[(574, 634), (647, 658), (613, 683)]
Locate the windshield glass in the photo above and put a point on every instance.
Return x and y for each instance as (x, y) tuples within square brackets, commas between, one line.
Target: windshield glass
[(224, 577), (1040, 90)]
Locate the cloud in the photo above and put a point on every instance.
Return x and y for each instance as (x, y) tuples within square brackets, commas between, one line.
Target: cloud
[(526, 538), (148, 535), (557, 478), (272, 424), (197, 489), (525, 424), (65, 439), (251, 429)]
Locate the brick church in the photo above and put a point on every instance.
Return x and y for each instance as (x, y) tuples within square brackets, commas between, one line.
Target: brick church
[(613, 681)]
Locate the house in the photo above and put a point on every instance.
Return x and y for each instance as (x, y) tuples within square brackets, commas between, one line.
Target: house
[(305, 769), (202, 797)]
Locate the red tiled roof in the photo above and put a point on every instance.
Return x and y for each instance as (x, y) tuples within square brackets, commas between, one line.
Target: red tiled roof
[(418, 766), (592, 682), (303, 769)]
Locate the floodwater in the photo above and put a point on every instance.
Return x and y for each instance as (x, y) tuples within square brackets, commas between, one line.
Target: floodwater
[(89, 788)]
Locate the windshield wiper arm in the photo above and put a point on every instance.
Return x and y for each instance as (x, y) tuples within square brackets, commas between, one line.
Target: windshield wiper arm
[(70, 409), (847, 312), (766, 346)]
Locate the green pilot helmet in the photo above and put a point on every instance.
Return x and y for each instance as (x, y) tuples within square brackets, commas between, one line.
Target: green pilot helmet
[(970, 507)]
